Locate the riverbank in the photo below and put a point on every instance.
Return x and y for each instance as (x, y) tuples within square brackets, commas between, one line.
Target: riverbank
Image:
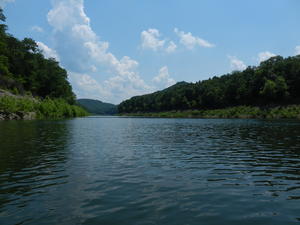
[(14, 107), (241, 112)]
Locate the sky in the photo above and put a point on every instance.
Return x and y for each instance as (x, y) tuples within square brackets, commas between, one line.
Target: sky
[(116, 49)]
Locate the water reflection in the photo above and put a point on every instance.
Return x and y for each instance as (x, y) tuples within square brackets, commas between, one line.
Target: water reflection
[(32, 159), (150, 171)]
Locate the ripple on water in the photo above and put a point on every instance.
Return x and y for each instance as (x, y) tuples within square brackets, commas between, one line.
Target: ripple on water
[(150, 171)]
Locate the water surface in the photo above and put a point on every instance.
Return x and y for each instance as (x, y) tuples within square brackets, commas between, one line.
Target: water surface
[(150, 171)]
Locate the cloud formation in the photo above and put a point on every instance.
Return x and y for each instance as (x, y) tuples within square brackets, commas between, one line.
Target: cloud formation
[(87, 57), (190, 41), (4, 2), (151, 39), (171, 47), (163, 78), (236, 64), (89, 87), (263, 56), (48, 52), (37, 29), (297, 50)]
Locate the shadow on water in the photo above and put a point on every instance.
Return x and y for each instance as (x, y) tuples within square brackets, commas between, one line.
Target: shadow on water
[(32, 155)]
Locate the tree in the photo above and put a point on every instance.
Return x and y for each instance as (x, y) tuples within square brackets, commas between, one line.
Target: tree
[(275, 80), (2, 16), (24, 68), (269, 90)]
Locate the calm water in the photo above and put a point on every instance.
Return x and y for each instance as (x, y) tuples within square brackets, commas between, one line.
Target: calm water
[(150, 171)]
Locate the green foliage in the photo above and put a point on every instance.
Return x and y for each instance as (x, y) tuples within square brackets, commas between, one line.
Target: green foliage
[(241, 112), (273, 90), (12, 104), (269, 89), (47, 108), (2, 17), (97, 107), (24, 69), (274, 82), (15, 91)]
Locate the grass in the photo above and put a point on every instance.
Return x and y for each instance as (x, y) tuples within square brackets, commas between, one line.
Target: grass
[(46, 108), (242, 112)]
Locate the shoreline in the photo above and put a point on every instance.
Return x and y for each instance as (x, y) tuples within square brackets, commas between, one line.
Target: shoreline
[(17, 116), (13, 107), (238, 112)]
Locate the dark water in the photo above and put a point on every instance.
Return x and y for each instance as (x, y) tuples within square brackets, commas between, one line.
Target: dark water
[(150, 171)]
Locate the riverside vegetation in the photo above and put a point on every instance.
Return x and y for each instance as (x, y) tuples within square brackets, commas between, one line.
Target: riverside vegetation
[(32, 108), (241, 112), (35, 87)]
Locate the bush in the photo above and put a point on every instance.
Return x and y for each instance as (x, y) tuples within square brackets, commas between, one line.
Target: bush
[(243, 112), (47, 108)]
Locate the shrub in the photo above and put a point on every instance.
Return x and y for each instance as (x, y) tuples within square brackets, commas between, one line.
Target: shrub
[(47, 108)]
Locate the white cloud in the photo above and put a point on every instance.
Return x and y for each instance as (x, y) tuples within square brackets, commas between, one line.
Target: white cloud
[(37, 29), (89, 87), (297, 50), (86, 56), (93, 68), (48, 52), (263, 56), (190, 41), (4, 2), (163, 78), (236, 64), (123, 87), (150, 39), (171, 47), (67, 13)]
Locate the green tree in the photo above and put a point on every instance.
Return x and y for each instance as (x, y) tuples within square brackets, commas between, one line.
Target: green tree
[(269, 90), (2, 16)]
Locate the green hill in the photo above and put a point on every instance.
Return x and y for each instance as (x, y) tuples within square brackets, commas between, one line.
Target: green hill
[(97, 107), (275, 82)]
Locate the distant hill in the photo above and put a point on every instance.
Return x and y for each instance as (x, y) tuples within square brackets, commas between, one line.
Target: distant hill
[(98, 107)]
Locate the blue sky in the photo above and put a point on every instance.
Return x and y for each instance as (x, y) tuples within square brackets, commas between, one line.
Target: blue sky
[(115, 49)]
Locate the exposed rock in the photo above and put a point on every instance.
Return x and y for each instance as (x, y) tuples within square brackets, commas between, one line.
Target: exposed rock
[(14, 116), (17, 116), (6, 93), (29, 116)]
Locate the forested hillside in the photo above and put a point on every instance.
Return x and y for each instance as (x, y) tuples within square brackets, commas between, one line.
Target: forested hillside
[(97, 107), (32, 86), (23, 69), (274, 82)]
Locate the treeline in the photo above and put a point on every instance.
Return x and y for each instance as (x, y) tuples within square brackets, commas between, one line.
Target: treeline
[(274, 82), (24, 69)]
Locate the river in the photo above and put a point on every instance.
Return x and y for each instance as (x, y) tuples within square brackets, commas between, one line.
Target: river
[(127, 171)]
